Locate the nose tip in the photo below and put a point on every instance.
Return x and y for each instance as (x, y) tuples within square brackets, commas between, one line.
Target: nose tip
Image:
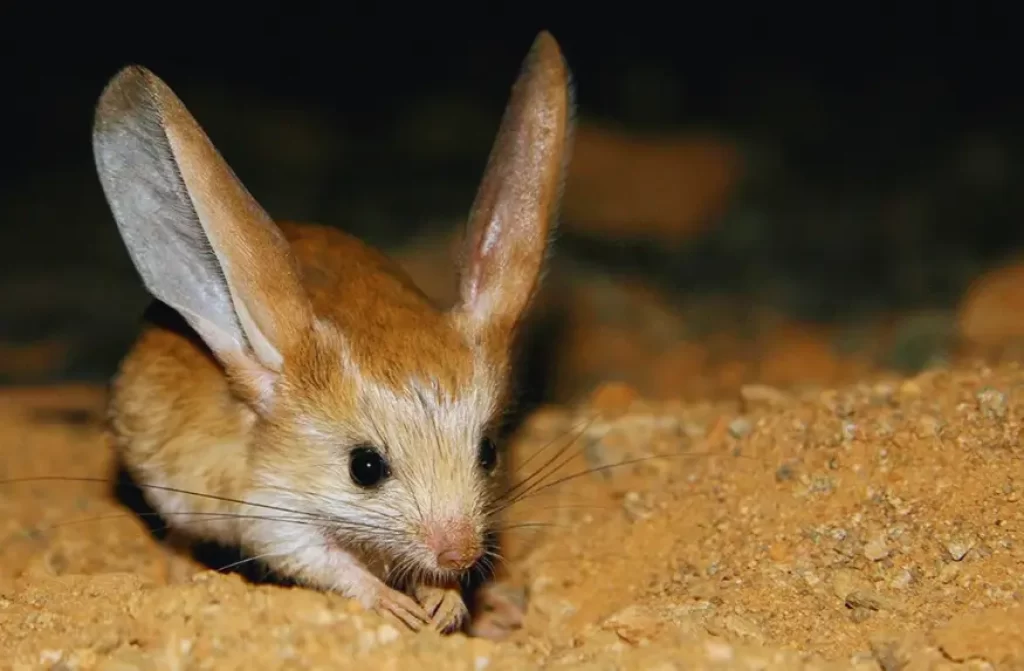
[(456, 545), (457, 559)]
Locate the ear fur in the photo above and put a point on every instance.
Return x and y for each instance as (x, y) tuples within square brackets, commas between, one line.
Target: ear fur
[(518, 200)]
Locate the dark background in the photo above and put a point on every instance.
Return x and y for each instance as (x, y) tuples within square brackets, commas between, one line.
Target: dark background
[(883, 143)]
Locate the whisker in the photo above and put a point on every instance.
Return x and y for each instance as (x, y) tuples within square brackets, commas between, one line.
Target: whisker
[(555, 508), (541, 486), (558, 454), (530, 525), (495, 558), (254, 558), (301, 517), (175, 490), (536, 453), (331, 500), (205, 515), (480, 570), (576, 434)]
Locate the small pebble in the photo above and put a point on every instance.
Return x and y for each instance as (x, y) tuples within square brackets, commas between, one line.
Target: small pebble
[(958, 548), (784, 472), (882, 392), (386, 634), (949, 573), (902, 580), (740, 427), (909, 390), (846, 582), (864, 598), (636, 508), (50, 656), (778, 552), (876, 549), (992, 402), (927, 427), (740, 626), (718, 651)]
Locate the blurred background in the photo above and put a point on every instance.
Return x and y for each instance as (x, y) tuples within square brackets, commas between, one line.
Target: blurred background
[(758, 193)]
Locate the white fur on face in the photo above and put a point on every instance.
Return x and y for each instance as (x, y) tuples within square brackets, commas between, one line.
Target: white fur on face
[(430, 438)]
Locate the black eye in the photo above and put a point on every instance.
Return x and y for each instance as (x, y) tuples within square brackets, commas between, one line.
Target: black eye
[(488, 455), (367, 466)]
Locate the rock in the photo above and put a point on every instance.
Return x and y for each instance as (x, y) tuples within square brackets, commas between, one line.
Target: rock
[(756, 396), (634, 624), (992, 311), (613, 399)]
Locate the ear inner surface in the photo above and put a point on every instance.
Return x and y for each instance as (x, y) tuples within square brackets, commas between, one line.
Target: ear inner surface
[(199, 240), (519, 195), (253, 253)]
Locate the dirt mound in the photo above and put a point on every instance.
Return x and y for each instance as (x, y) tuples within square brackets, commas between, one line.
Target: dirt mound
[(875, 526)]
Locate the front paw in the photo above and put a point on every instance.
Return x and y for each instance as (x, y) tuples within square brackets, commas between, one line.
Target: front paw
[(444, 605), (397, 606)]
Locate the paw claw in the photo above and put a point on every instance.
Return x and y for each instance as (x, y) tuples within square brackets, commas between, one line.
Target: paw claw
[(396, 605), (444, 605)]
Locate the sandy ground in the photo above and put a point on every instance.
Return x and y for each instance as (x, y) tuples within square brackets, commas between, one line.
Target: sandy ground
[(874, 526)]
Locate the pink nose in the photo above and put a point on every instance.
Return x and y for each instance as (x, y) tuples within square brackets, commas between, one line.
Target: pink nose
[(457, 559), (456, 544)]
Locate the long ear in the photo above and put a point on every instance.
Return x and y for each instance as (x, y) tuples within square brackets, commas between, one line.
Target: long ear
[(199, 240), (519, 197)]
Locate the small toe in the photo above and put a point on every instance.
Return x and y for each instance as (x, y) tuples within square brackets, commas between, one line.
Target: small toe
[(445, 606), (402, 607)]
